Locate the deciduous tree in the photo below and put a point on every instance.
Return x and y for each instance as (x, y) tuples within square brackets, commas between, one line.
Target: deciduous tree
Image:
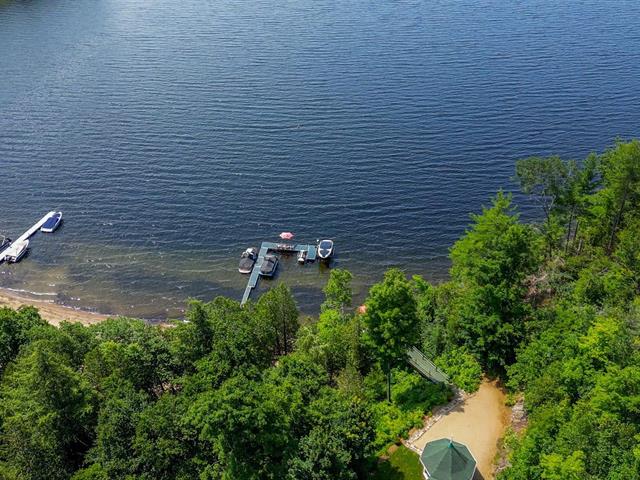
[(391, 320)]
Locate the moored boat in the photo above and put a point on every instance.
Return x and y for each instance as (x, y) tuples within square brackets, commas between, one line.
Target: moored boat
[(325, 249), (247, 260), (52, 223), (302, 256), (16, 251), (269, 266)]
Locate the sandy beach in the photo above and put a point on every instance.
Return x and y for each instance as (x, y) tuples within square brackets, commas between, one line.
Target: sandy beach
[(51, 312), (479, 422)]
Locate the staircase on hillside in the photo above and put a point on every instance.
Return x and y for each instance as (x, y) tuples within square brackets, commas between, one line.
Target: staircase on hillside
[(426, 367)]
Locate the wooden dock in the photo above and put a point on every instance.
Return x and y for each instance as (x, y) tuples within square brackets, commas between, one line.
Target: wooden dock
[(267, 247), (26, 235)]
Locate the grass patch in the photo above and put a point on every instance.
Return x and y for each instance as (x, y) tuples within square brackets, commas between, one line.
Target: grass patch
[(402, 464)]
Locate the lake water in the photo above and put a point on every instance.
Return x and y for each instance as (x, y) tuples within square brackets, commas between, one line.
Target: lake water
[(175, 134)]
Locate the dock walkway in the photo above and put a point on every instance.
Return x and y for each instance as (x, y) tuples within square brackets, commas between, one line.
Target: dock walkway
[(26, 235), (267, 247)]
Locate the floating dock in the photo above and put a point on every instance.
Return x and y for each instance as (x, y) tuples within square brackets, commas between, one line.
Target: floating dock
[(26, 235), (267, 247)]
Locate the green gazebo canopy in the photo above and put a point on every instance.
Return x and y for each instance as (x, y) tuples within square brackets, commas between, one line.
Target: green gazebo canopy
[(445, 459)]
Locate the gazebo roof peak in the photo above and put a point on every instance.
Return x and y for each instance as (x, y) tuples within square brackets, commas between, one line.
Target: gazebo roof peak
[(446, 459)]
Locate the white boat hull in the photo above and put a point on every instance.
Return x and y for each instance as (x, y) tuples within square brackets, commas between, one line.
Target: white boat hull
[(52, 228), (16, 251), (325, 249)]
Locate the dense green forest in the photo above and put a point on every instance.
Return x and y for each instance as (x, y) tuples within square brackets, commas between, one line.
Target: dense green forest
[(551, 308)]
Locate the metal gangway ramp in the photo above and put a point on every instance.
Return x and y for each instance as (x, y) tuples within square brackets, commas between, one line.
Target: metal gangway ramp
[(426, 367)]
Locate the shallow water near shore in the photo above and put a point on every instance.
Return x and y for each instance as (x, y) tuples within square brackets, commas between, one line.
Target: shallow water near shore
[(174, 135)]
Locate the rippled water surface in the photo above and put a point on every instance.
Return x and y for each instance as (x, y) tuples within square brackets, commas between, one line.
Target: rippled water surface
[(175, 134)]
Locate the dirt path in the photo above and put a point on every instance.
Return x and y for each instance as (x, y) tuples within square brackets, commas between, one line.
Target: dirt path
[(478, 422), (51, 312)]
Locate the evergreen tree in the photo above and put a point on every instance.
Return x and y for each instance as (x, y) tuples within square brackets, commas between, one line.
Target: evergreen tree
[(490, 263), (47, 415)]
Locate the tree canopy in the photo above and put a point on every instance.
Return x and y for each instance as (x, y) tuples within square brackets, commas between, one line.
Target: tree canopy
[(231, 392)]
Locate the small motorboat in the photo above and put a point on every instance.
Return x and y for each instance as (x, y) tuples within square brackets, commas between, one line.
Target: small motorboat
[(286, 235), (16, 251), (269, 266), (247, 260), (302, 256), (53, 222), (325, 249)]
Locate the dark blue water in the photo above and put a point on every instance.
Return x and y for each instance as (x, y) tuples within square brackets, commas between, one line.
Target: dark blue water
[(175, 134)]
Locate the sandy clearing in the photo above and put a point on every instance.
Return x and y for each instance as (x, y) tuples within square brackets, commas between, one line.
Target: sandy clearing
[(51, 312), (479, 422)]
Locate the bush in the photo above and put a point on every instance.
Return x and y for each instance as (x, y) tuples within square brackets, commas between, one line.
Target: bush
[(413, 397), (392, 423), (462, 367), (604, 283)]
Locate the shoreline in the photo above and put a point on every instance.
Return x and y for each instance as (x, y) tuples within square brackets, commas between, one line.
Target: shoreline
[(50, 311)]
